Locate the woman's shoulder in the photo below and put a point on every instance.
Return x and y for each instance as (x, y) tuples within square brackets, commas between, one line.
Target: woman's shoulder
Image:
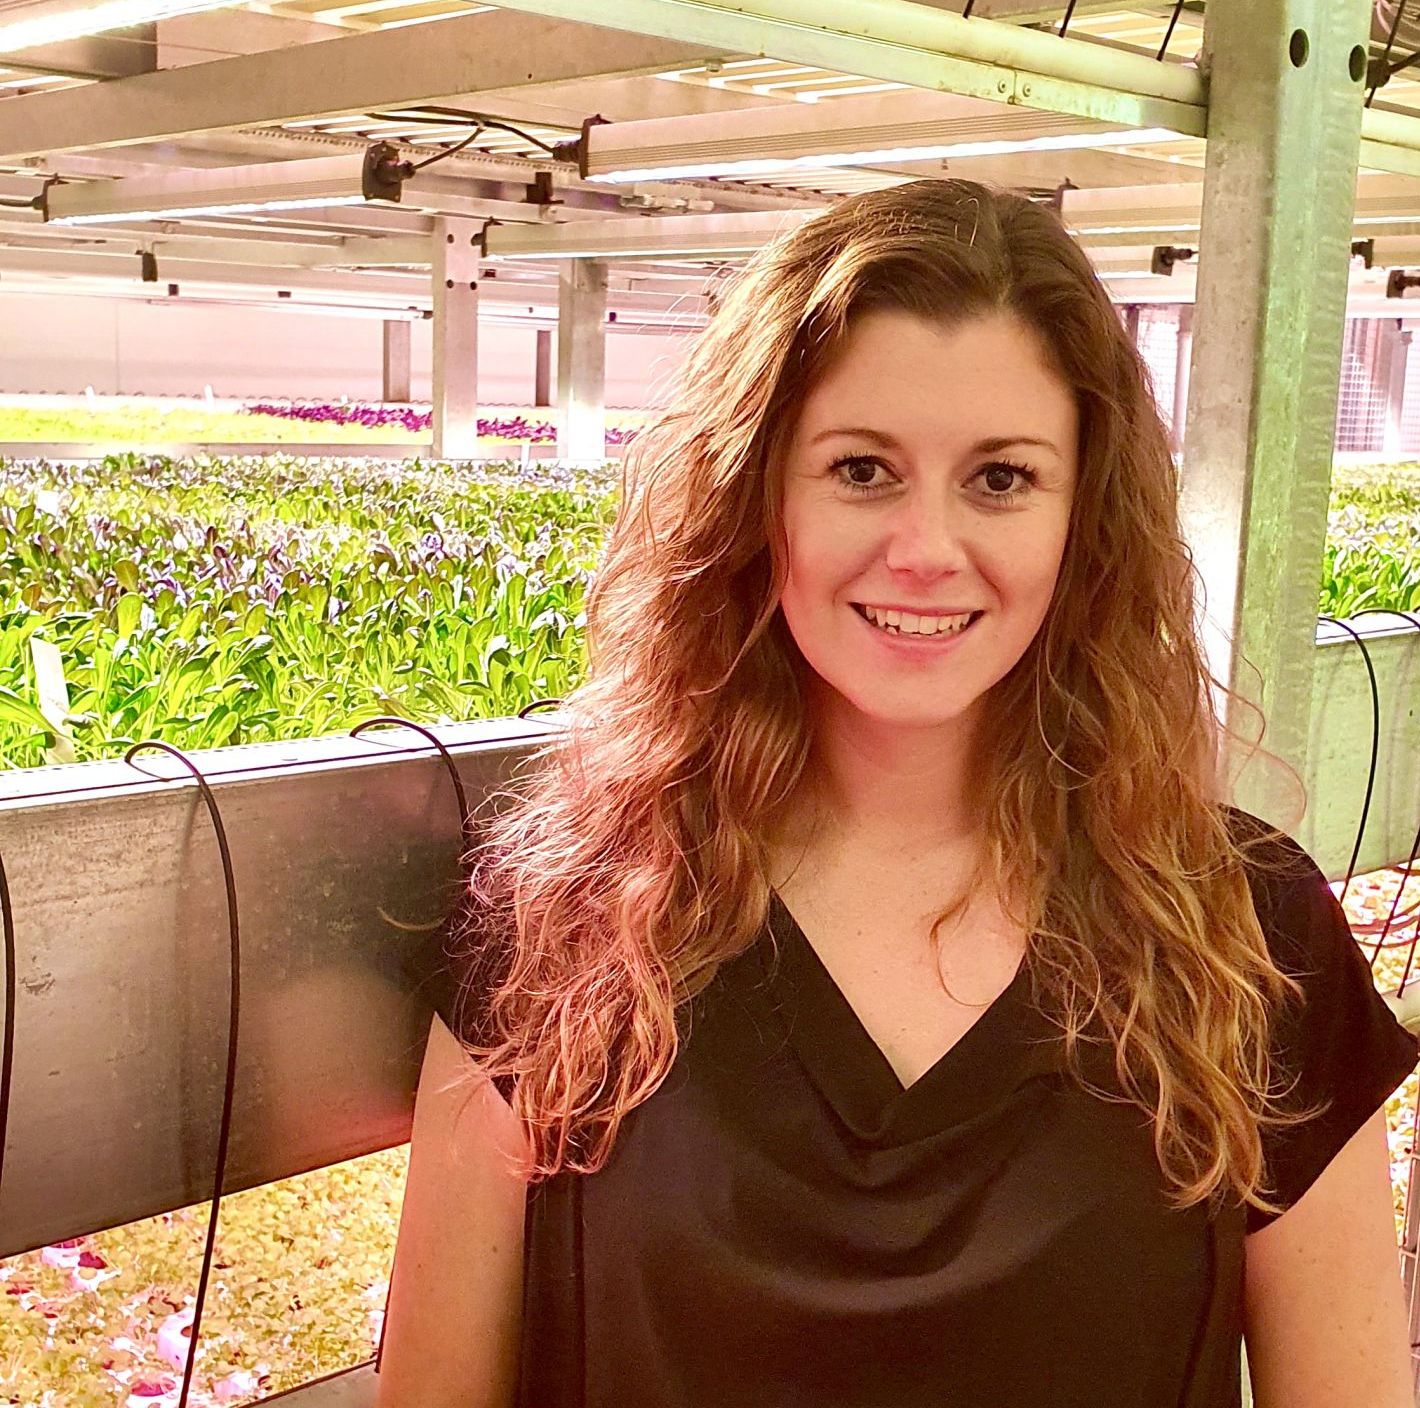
[(1289, 890)]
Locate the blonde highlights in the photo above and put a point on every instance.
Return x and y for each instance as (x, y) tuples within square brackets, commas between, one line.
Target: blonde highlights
[(630, 862)]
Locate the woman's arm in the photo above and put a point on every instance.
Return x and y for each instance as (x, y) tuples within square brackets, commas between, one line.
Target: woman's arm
[(455, 1304), (1324, 1309)]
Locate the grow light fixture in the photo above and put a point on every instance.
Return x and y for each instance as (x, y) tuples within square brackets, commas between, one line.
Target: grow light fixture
[(53, 21), (639, 237), (235, 190), (864, 131)]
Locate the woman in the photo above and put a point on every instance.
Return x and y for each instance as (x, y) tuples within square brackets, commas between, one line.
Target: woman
[(870, 998)]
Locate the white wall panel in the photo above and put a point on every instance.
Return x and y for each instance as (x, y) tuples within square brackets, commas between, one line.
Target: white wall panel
[(60, 345)]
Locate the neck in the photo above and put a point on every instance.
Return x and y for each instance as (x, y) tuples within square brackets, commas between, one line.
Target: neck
[(887, 791)]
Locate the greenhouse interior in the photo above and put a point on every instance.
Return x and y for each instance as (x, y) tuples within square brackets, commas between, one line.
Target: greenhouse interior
[(328, 331)]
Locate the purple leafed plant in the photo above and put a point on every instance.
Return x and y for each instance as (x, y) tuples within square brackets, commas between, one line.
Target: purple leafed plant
[(358, 413)]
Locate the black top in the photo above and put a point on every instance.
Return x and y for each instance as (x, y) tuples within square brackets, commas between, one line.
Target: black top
[(782, 1223)]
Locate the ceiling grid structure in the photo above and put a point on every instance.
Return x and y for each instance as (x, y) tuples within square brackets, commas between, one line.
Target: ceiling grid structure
[(234, 89)]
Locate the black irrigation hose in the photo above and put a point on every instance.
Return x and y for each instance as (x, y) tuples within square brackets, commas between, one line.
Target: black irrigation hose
[(1375, 746), (229, 1085), (1409, 867), (466, 840), (7, 1049)]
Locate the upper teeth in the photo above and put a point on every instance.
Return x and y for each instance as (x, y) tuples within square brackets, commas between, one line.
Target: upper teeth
[(916, 625)]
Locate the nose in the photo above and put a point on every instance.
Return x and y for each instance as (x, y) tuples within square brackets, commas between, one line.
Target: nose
[(927, 533)]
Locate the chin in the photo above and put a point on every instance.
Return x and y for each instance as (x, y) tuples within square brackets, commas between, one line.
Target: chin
[(884, 713)]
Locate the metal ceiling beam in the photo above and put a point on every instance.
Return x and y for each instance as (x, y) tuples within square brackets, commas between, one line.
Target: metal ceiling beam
[(120, 53), (261, 249), (1033, 12), (686, 236), (1384, 204), (392, 68), (404, 289), (904, 42), (1390, 141)]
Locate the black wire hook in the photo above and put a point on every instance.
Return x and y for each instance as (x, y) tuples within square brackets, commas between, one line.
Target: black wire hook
[(234, 1007), (465, 820), (7, 1045), (1375, 747)]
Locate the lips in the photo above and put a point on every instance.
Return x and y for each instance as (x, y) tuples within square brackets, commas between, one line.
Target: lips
[(973, 618), (909, 645)]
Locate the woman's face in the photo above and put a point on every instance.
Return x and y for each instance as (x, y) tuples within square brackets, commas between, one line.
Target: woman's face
[(898, 494)]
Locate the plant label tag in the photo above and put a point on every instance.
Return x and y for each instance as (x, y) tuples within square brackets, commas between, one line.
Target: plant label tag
[(53, 695)]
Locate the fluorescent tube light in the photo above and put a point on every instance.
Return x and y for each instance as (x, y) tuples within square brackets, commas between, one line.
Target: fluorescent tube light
[(658, 237), (882, 156), (231, 208), (221, 190), (54, 22), (870, 129)]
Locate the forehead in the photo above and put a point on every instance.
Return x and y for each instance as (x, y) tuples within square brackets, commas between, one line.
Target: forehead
[(939, 383)]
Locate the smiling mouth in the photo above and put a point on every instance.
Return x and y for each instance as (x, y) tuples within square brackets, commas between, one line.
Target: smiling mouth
[(972, 619)]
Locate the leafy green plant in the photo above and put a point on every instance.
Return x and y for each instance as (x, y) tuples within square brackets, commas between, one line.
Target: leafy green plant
[(212, 602)]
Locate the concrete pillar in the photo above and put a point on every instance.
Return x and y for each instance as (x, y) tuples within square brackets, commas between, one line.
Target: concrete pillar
[(396, 375), (455, 280), (1392, 349), (1273, 264), (581, 360), (542, 369), (1182, 358)]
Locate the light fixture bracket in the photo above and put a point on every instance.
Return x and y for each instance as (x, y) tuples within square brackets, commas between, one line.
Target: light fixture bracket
[(384, 174)]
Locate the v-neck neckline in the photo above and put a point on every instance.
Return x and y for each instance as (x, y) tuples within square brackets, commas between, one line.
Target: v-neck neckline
[(853, 1072)]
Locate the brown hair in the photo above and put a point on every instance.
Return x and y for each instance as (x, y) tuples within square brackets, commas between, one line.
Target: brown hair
[(631, 861)]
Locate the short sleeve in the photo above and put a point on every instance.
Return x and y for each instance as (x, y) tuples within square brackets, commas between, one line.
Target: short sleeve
[(1343, 1045), (433, 973), (448, 970)]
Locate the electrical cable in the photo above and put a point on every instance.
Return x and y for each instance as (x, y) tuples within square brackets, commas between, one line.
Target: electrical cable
[(1385, 53), (439, 156), (1168, 33), (483, 119)]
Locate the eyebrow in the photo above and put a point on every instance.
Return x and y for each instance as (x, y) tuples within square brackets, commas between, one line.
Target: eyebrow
[(988, 446)]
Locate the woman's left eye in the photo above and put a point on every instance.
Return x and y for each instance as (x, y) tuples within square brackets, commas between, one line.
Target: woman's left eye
[(852, 463)]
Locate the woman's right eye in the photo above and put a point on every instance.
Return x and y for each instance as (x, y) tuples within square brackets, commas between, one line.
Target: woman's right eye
[(858, 464)]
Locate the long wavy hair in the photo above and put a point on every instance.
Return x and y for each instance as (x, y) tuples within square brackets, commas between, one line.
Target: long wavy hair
[(629, 861)]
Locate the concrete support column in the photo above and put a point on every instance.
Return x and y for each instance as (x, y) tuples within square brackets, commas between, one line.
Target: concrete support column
[(1183, 356), (1392, 349), (397, 360), (455, 280), (581, 360), (542, 369), (1274, 247)]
